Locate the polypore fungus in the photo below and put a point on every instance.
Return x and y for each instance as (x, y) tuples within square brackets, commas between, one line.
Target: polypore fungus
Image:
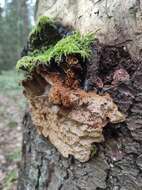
[(71, 118), (61, 110)]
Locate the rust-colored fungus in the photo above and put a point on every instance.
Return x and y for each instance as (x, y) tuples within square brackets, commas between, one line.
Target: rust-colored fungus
[(70, 117)]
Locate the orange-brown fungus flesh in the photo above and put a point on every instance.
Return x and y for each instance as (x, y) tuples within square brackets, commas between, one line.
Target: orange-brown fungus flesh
[(70, 117)]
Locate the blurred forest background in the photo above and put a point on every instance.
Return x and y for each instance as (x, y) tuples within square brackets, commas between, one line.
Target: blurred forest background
[(16, 21)]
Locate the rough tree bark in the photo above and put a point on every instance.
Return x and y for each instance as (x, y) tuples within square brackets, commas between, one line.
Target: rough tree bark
[(117, 165)]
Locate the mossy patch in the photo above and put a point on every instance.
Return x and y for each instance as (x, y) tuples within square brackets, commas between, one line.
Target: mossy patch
[(26, 63), (93, 150), (15, 156), (9, 179), (73, 44), (42, 21), (44, 33)]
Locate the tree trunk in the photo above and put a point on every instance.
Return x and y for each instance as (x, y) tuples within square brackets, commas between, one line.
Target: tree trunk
[(117, 162), (113, 21)]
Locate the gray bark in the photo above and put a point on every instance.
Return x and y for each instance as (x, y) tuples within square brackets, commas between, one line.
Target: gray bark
[(116, 21)]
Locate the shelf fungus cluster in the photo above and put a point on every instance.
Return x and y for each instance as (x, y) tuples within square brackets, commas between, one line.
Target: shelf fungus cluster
[(71, 118)]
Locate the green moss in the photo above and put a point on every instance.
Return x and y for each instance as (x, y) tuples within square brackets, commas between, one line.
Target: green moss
[(9, 179), (26, 63), (15, 156), (42, 21), (45, 44), (73, 44), (93, 150), (44, 33)]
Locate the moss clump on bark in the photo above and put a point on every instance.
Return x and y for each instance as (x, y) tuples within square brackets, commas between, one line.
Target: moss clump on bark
[(44, 33), (26, 63), (73, 44)]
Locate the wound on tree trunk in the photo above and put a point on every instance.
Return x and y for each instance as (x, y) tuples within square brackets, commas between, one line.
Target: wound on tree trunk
[(74, 87)]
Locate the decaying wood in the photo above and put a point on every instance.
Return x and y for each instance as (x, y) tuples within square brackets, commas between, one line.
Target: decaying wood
[(71, 118), (117, 163)]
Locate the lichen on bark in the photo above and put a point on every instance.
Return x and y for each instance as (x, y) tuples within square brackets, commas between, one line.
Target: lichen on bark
[(61, 109)]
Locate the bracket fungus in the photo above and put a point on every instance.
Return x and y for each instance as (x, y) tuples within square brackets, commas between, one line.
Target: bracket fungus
[(61, 109)]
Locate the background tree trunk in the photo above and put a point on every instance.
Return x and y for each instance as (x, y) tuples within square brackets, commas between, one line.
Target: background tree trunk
[(118, 162)]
